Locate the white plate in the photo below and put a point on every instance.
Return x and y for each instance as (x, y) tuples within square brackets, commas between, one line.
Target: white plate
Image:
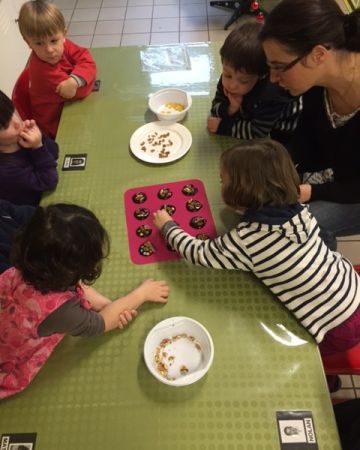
[(150, 141)]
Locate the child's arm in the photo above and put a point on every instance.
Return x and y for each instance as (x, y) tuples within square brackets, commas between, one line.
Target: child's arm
[(149, 290), (223, 252)]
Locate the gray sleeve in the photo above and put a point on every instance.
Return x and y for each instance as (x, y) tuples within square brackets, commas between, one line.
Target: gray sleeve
[(71, 318)]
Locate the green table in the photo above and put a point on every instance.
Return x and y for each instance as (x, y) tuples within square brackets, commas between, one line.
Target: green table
[(96, 394)]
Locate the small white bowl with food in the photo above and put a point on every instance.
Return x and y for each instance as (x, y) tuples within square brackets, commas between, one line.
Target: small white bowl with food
[(170, 104), (178, 351)]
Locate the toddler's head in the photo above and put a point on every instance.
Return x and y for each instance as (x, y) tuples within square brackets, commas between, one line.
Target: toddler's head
[(42, 26), (60, 246), (10, 122), (258, 173), (243, 59)]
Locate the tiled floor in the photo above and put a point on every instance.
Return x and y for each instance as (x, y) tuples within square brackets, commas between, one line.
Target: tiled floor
[(350, 388), (113, 23)]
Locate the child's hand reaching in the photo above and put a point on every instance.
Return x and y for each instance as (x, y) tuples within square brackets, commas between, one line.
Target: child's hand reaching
[(67, 88), (213, 124), (161, 216), (125, 317), (30, 136), (153, 291)]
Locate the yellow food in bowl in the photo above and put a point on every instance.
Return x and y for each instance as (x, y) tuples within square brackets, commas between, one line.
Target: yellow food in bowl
[(170, 107)]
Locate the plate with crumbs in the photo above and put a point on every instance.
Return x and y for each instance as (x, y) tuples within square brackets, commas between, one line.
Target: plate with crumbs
[(160, 142)]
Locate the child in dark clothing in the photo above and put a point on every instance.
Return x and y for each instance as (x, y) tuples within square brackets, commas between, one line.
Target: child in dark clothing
[(27, 158), (246, 104), (56, 256)]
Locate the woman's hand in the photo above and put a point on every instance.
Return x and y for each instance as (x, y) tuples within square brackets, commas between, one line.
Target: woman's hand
[(305, 193), (213, 124), (161, 216)]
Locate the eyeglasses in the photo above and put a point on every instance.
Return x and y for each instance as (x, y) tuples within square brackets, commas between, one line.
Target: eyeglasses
[(285, 67)]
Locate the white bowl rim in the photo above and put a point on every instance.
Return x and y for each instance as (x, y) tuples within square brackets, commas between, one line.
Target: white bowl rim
[(161, 91), (198, 374)]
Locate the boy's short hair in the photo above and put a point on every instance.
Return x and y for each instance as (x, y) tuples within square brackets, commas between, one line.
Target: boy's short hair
[(258, 173), (59, 246), (242, 50), (39, 18), (6, 110)]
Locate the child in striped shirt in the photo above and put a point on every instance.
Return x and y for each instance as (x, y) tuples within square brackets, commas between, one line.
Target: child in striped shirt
[(278, 240), (246, 104)]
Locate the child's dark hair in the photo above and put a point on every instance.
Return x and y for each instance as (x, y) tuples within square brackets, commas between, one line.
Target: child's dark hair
[(300, 25), (6, 110), (242, 50), (258, 173), (60, 246)]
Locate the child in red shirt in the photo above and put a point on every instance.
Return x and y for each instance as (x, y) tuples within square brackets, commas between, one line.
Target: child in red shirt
[(59, 70)]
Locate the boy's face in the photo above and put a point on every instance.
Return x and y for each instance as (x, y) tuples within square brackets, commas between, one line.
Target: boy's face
[(49, 48), (237, 82), (10, 135)]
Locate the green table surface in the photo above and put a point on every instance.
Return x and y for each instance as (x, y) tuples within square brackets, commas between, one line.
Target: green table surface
[(96, 393)]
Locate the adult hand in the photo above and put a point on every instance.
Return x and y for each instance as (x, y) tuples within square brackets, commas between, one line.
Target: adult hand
[(30, 136), (213, 124), (125, 317), (235, 102), (154, 291), (305, 193), (161, 216), (67, 88)]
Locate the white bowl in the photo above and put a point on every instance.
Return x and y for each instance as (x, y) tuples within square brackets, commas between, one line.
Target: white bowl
[(159, 100), (185, 348)]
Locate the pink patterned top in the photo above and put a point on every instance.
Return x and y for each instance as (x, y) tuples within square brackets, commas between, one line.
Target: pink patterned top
[(22, 308)]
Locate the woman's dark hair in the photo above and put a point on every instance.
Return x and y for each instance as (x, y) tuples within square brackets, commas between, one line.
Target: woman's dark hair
[(257, 173), (300, 25), (61, 245), (6, 110), (242, 50)]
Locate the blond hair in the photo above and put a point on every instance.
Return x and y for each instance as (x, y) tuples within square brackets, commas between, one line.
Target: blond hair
[(39, 18), (258, 173)]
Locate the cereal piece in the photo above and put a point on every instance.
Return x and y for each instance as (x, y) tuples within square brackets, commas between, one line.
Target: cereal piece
[(146, 249), (184, 370), (141, 213), (198, 222), (202, 236), (143, 231), (170, 209), (193, 205), (139, 197), (189, 190), (164, 193)]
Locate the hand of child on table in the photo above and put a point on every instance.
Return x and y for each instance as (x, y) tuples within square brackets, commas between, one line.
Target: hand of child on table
[(67, 88), (235, 102), (161, 216), (213, 124), (30, 136), (153, 291), (125, 317)]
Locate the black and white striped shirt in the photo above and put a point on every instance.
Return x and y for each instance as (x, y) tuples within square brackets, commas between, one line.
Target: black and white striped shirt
[(317, 285), (267, 107)]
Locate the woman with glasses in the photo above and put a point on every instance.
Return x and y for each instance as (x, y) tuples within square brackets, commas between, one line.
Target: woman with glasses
[(313, 48)]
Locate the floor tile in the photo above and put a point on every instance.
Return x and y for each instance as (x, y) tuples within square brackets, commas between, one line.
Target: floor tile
[(216, 22), (169, 24), (193, 24), (82, 28), (140, 2), (346, 381), (83, 41), (139, 12), (214, 11), (66, 4), (188, 10), (345, 394), (85, 15), (166, 2), (67, 13), (164, 38), (166, 11), (106, 40), (109, 27), (356, 380), (218, 35), (194, 36), (113, 3), (88, 3), (135, 39), (185, 2), (137, 26), (112, 13), (357, 393)]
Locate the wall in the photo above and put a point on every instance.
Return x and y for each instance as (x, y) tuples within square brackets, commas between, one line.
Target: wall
[(13, 50)]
